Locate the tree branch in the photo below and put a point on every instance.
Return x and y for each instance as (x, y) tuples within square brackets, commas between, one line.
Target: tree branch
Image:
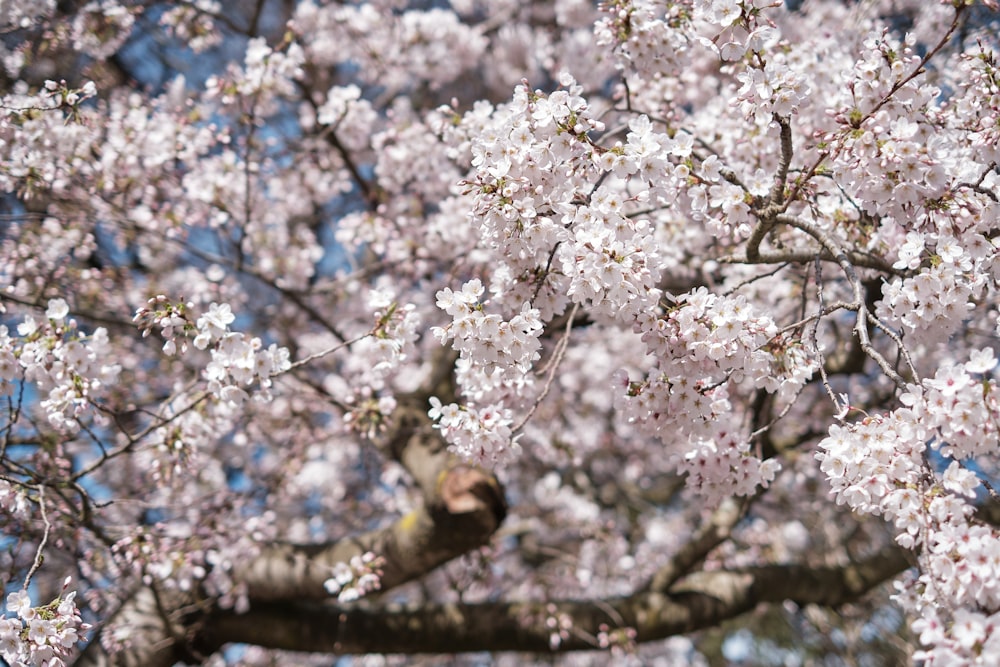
[(465, 512), (698, 601), (463, 506)]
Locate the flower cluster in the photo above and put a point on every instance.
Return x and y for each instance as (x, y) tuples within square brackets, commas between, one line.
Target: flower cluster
[(368, 415), (706, 335), (880, 466), (22, 13), (954, 599), (613, 264), (267, 75), (979, 78), (356, 578), (236, 359), (196, 550), (530, 161), (772, 89), (350, 115), (960, 405), (172, 319), (642, 38), (66, 97), (495, 354), (961, 639), (530, 166), (322, 194), (890, 159), (724, 465), (620, 641), (193, 24), (768, 84), (395, 329), (703, 344), (101, 27), (376, 357), (483, 435), (397, 49), (42, 635), (70, 368), (875, 466), (27, 121), (932, 304), (13, 500), (504, 349), (559, 626)]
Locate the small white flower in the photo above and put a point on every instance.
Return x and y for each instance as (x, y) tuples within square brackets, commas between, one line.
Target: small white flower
[(57, 310)]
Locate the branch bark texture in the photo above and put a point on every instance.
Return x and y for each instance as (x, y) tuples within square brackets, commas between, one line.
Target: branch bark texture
[(463, 507), (699, 601)]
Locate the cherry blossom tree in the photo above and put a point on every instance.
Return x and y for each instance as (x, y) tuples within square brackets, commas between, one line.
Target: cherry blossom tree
[(628, 332)]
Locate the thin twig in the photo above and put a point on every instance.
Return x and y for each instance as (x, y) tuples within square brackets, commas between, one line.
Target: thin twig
[(814, 337), (861, 324), (781, 415), (323, 353), (557, 357), (133, 440), (39, 557)]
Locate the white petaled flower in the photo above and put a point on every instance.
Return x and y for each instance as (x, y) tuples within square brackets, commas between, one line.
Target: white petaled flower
[(57, 310), (213, 324), (981, 361)]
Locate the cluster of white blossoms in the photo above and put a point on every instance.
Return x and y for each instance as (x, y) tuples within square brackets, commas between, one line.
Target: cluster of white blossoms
[(403, 47), (932, 304), (875, 466), (644, 39), (69, 368), (705, 335), (376, 357), (41, 635), (22, 13), (704, 344), (267, 75), (13, 500), (349, 114), (357, 578), (554, 245), (481, 434), (237, 360), (494, 354), (101, 27), (530, 161), (193, 23), (774, 88), (769, 85), (194, 552), (880, 465), (613, 262), (504, 349)]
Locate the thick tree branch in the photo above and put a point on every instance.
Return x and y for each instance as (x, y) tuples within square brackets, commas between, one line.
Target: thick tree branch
[(157, 636), (465, 512), (806, 256), (698, 601), (463, 506), (776, 197)]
